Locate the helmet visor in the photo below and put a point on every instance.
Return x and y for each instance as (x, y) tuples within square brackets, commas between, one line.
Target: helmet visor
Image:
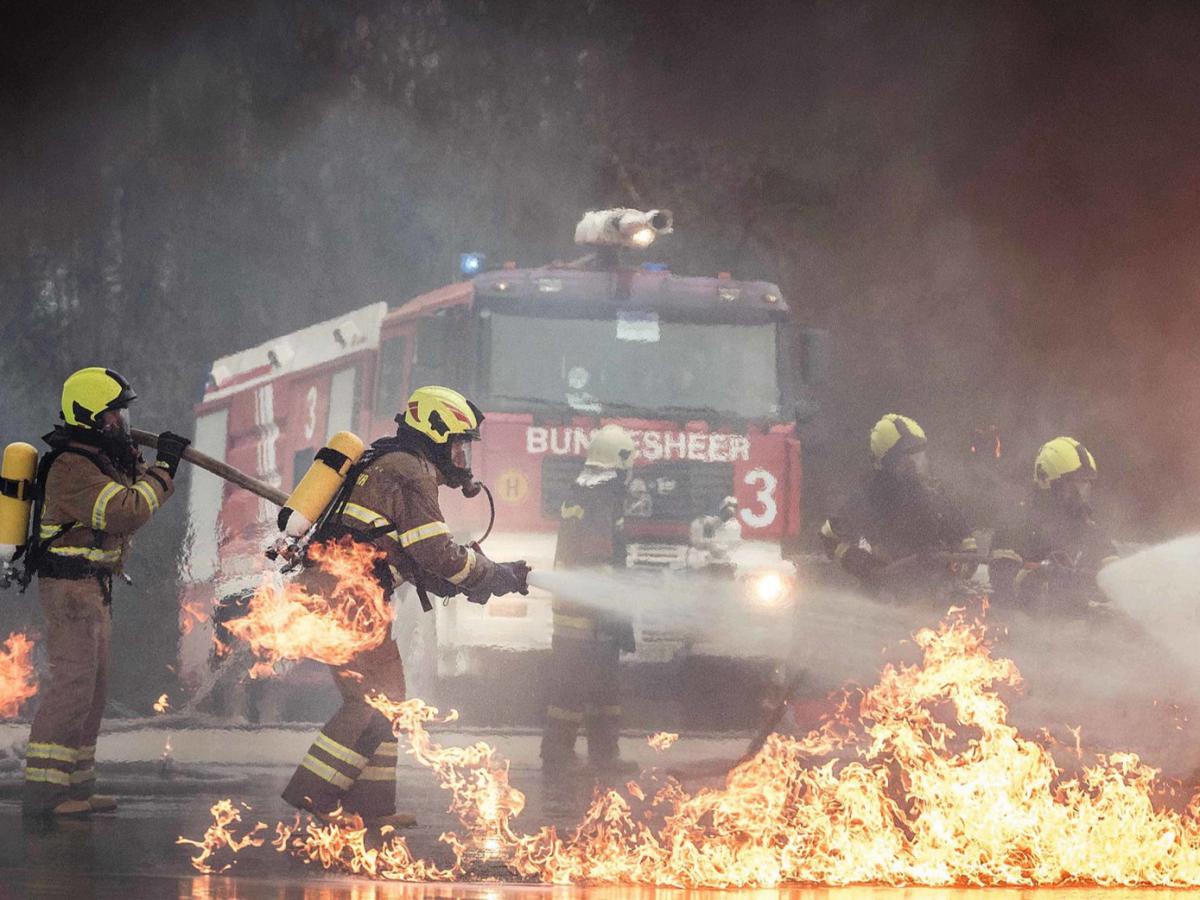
[(460, 453)]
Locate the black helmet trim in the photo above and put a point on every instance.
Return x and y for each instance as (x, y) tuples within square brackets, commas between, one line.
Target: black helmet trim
[(908, 443)]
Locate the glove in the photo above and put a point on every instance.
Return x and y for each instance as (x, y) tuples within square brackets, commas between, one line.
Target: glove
[(509, 578), (170, 451)]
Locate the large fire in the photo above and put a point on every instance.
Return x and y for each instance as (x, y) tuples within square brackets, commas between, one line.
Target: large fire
[(17, 682), (287, 621), (931, 786)]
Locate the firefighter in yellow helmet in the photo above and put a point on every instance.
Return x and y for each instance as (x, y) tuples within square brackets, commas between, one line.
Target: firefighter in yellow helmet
[(93, 492), (901, 518), (1047, 557), (391, 501), (587, 642)]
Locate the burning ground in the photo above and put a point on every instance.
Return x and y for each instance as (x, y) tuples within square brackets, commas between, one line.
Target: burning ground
[(918, 780)]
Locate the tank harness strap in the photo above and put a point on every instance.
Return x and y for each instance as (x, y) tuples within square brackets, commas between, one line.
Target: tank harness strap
[(338, 507), (36, 559)]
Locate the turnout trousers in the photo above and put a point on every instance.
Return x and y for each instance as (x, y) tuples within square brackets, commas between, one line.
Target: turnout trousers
[(584, 690), (352, 763), (60, 763)]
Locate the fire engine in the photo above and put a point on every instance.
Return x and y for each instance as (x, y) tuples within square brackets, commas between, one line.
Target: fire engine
[(709, 374)]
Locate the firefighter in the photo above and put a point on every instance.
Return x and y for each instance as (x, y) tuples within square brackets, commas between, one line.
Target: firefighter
[(95, 492), (888, 536), (715, 536), (587, 642), (1046, 559), (392, 501)]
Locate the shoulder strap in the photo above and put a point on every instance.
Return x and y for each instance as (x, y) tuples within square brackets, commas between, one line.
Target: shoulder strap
[(36, 546)]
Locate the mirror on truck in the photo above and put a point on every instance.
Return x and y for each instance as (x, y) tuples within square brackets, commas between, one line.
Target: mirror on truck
[(433, 357), (816, 355)]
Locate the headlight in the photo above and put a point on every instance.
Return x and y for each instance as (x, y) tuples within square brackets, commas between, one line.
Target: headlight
[(769, 590)]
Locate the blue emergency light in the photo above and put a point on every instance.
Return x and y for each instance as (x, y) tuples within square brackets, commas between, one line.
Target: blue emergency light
[(471, 263)]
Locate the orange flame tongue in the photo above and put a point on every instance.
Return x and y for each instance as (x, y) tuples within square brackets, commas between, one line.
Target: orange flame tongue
[(16, 674), (285, 621), (921, 804)]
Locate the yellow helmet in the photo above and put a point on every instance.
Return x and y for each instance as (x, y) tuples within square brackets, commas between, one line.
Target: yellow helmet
[(92, 391), (894, 436), (440, 413), (611, 448), (1062, 456)]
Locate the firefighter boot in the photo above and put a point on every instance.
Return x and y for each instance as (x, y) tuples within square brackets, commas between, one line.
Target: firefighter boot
[(395, 820), (102, 803), (558, 740), (72, 809), (603, 733)]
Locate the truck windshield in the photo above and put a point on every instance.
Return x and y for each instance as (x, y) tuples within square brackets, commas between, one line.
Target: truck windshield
[(636, 364)]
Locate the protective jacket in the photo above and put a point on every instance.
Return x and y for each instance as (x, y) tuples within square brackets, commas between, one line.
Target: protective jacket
[(1047, 556), (92, 506), (352, 762), (401, 488), (891, 519), (589, 535)]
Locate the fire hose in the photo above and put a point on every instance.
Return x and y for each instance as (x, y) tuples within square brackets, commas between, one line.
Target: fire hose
[(218, 468)]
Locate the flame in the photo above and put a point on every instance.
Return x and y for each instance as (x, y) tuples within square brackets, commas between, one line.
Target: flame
[(17, 681), (191, 614), (219, 837), (166, 754), (162, 704), (919, 780), (284, 621), (663, 740)]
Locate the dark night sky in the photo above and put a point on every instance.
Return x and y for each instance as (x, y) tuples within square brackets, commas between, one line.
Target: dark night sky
[(993, 206)]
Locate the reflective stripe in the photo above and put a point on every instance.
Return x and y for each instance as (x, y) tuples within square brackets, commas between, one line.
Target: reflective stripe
[(79, 776), (389, 749), (326, 772), (378, 773), (338, 751), (576, 623), (1010, 555), (459, 576), (52, 751), (93, 554), (86, 753), (368, 517), (563, 715), (52, 776), (100, 507), (827, 530), (968, 545), (842, 549), (423, 532), (148, 495), (51, 529)]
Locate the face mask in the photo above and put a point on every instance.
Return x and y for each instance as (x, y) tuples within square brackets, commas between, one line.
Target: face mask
[(460, 454)]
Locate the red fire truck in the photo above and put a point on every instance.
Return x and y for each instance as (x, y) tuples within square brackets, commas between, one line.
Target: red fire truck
[(707, 373)]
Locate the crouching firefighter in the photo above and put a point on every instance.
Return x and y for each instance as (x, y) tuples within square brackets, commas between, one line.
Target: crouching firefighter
[(1045, 559), (587, 640), (92, 491), (900, 535), (390, 499)]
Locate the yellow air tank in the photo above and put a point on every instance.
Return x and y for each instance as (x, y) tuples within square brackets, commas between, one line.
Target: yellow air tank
[(320, 483), (16, 497)]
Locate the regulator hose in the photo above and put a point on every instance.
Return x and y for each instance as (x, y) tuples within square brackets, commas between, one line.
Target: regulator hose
[(491, 512)]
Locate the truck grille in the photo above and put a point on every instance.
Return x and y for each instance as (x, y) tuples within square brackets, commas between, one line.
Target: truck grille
[(656, 556), (678, 491)]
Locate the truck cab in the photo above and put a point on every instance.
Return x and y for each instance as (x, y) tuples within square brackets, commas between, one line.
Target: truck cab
[(708, 374)]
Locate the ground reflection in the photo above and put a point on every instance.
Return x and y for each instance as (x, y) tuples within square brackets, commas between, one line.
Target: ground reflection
[(219, 888)]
